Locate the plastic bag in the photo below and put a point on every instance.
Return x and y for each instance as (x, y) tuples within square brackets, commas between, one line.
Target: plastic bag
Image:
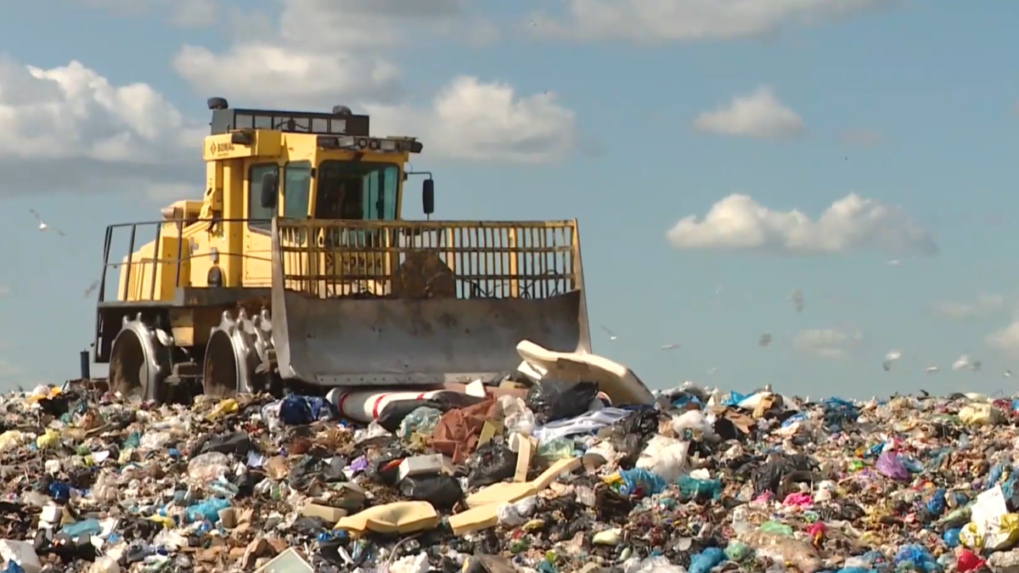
[(699, 489), (411, 564), (300, 410), (517, 417), (706, 560), (208, 467), (800, 554), (441, 491), (891, 466), (665, 457), (491, 463), (420, 421), (556, 400), (994, 536), (516, 514), (692, 420), (916, 557), (980, 415), (642, 480)]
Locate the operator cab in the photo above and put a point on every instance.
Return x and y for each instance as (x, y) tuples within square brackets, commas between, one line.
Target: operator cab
[(327, 167)]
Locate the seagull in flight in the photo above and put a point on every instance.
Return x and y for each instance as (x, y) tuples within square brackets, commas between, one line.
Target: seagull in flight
[(890, 358), (612, 337), (1008, 374), (670, 346), (931, 369), (964, 363), (765, 339), (43, 226), (797, 298)]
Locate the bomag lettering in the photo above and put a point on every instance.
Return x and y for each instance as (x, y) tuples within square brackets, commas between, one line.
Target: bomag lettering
[(224, 147)]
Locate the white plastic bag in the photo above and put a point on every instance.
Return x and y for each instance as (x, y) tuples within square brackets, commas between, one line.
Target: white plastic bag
[(516, 514), (665, 457)]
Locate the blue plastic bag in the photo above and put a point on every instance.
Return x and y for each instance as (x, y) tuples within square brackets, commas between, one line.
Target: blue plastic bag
[(706, 560), (916, 557), (643, 480), (300, 410)]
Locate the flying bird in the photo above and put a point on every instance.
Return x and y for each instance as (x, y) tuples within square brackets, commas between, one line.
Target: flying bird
[(612, 337), (931, 369), (964, 363), (43, 226), (1008, 374), (712, 370), (797, 298), (890, 358), (670, 346), (92, 288), (765, 339), (893, 262)]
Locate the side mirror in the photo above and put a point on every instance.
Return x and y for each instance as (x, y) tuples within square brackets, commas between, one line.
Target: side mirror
[(428, 196), (270, 189)]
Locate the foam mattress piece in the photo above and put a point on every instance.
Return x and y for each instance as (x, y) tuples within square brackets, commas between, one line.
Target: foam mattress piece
[(399, 517), (617, 381)]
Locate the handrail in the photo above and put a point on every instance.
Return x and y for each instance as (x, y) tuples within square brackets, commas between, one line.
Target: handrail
[(183, 227), (462, 259)]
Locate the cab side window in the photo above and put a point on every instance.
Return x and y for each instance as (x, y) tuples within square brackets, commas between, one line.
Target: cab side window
[(255, 209), (296, 189)]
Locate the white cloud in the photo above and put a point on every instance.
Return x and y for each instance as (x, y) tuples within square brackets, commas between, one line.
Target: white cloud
[(759, 115), (827, 343), (1005, 340), (865, 138), (984, 306), (473, 120), (646, 21), (737, 222), (334, 52), (185, 13), (277, 76), (68, 128)]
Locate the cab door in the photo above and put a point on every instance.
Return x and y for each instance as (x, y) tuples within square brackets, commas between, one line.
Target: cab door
[(257, 262)]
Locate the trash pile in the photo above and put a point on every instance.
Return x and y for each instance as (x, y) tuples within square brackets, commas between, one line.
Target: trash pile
[(547, 470)]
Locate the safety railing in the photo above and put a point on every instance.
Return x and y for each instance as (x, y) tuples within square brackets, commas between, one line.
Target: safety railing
[(156, 255), (429, 258)]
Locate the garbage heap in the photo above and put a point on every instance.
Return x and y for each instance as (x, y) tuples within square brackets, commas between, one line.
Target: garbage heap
[(544, 477)]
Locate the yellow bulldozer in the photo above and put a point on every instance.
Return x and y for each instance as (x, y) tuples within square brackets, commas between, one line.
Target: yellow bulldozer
[(297, 265)]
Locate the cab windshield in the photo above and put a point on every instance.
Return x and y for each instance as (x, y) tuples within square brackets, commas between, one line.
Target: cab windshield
[(359, 191)]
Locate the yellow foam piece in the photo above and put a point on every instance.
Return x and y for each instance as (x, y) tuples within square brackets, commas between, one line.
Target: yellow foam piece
[(501, 493), (399, 517)]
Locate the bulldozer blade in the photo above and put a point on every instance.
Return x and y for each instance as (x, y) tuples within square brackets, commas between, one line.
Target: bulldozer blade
[(395, 342)]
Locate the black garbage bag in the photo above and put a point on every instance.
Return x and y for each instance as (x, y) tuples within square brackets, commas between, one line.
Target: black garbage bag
[(643, 422), (491, 463), (441, 491), (553, 400), (236, 443), (769, 476)]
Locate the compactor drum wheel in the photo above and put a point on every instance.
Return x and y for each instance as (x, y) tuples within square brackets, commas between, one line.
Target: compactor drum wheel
[(239, 355), (140, 360)]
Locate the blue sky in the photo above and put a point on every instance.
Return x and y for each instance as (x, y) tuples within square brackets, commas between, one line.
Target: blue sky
[(629, 121)]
